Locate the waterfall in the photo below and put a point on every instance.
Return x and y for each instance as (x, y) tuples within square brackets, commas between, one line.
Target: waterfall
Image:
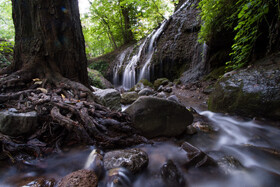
[(145, 71), (118, 66), (183, 6), (129, 75)]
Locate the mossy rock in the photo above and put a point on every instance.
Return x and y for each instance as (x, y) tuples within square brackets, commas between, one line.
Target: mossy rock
[(146, 83), (250, 92), (215, 74), (96, 79), (160, 81)]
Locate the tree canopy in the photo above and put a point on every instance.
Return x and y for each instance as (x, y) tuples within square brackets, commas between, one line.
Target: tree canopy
[(113, 23)]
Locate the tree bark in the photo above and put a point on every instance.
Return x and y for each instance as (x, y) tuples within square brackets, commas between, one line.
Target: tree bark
[(49, 39), (128, 35)]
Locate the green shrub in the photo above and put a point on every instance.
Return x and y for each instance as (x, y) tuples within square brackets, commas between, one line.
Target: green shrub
[(94, 79), (100, 66)]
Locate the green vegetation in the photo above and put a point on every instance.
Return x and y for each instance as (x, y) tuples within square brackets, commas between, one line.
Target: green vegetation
[(100, 66), (6, 53), (94, 79), (111, 24), (146, 83), (243, 17), (7, 30)]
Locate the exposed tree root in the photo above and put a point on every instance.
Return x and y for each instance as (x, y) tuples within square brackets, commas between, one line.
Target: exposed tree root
[(67, 114)]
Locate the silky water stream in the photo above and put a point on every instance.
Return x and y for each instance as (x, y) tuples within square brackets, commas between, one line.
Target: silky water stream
[(247, 152)]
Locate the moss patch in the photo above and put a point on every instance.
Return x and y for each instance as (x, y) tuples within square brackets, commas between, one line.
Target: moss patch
[(160, 81)]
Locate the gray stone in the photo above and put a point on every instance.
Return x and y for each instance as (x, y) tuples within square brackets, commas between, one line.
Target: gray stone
[(15, 124), (159, 117), (110, 98), (167, 89), (173, 98), (146, 92), (161, 95), (129, 97), (132, 159), (160, 88), (252, 92)]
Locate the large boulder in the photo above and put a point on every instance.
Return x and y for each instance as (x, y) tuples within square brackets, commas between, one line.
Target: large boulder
[(129, 97), (14, 124), (132, 159), (250, 92), (159, 117), (81, 178), (110, 98)]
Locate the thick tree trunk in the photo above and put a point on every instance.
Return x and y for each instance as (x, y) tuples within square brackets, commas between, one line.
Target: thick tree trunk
[(49, 39), (128, 35)]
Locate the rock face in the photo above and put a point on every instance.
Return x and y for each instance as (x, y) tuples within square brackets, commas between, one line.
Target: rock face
[(110, 98), (250, 92), (159, 117), (132, 159), (81, 178), (129, 97), (15, 124)]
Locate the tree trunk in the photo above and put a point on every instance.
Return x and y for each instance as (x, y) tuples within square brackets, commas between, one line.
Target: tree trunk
[(49, 39), (128, 35)]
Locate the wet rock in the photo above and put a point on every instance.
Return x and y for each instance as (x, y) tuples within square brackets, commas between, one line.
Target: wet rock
[(250, 92), (202, 126), (95, 163), (138, 87), (162, 95), (171, 175), (134, 160), (80, 178), (191, 130), (229, 164), (118, 177), (196, 158), (173, 98), (160, 88), (160, 81), (110, 98), (24, 181), (15, 124), (97, 79), (146, 92), (159, 117), (167, 89), (41, 182), (129, 97)]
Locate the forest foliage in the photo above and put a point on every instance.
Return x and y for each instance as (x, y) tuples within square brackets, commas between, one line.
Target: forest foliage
[(244, 17), (113, 23)]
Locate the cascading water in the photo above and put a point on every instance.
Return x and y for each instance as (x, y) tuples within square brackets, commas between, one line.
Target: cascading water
[(129, 75), (118, 66), (145, 71), (253, 144)]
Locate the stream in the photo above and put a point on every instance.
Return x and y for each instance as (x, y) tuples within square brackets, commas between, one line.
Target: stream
[(246, 151)]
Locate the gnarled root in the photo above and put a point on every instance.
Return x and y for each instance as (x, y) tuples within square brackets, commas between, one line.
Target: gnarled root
[(68, 115)]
